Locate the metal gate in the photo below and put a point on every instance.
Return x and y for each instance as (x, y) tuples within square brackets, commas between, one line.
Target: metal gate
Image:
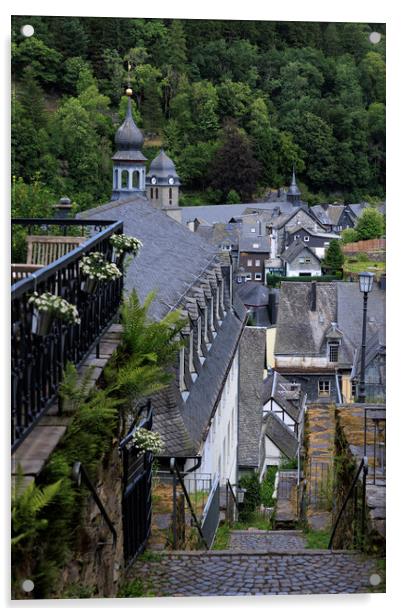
[(137, 491)]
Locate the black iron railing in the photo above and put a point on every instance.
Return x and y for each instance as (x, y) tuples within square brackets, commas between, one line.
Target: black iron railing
[(137, 490), (375, 442), (232, 506), (210, 516), (80, 475), (350, 526), (37, 362)]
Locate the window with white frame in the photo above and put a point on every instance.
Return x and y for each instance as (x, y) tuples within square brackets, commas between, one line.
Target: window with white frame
[(301, 260), (256, 245), (308, 260), (257, 262), (333, 351), (249, 262), (324, 388), (258, 276), (306, 238), (248, 276), (252, 229)]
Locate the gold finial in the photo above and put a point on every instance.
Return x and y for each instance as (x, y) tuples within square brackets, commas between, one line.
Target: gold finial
[(129, 92)]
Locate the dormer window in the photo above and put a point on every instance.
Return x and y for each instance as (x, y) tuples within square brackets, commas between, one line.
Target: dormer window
[(182, 383), (333, 348), (191, 356), (252, 229)]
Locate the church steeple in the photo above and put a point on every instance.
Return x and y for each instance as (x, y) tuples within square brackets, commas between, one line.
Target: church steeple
[(128, 161), (293, 195)]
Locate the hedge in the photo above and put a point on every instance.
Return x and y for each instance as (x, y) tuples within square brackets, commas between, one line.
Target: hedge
[(272, 280)]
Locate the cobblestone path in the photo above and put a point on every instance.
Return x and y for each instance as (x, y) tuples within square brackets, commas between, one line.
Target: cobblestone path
[(266, 541), (228, 573)]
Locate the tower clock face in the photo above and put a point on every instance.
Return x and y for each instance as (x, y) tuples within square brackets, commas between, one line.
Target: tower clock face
[(171, 180), (153, 180)]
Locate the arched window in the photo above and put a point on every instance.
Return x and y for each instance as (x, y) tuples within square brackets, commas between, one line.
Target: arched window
[(116, 178), (170, 196), (152, 193), (135, 179), (124, 178), (156, 193)]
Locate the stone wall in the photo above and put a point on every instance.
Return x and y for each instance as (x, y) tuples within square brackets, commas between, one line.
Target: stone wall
[(96, 565)]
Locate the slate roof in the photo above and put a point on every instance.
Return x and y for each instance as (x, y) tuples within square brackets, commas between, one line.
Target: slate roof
[(321, 214), (253, 293), (224, 213), (220, 233), (252, 360), (296, 228), (302, 331), (279, 389), (282, 436), (295, 248), (255, 243), (182, 268), (171, 258)]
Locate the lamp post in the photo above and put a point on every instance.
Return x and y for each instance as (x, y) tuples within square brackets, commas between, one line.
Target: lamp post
[(366, 285)]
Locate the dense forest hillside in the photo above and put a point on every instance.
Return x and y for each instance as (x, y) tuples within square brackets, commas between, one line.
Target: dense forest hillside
[(235, 103)]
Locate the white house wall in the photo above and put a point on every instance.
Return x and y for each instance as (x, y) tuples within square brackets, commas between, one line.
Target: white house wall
[(219, 450), (271, 405)]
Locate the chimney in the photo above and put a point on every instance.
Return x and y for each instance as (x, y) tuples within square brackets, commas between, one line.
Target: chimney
[(62, 209), (313, 304)]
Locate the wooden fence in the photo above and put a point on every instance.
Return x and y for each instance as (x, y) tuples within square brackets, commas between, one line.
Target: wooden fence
[(365, 246)]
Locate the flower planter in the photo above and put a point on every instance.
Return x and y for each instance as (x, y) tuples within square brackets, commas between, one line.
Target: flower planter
[(42, 323), (118, 256), (89, 285)]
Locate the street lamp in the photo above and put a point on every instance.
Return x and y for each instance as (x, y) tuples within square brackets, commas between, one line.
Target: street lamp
[(366, 285)]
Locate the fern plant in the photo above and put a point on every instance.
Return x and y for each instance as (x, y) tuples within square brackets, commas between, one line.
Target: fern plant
[(74, 390), (141, 367), (27, 504)]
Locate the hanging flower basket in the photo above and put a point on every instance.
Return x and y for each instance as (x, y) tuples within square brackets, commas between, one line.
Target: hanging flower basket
[(42, 323), (123, 244), (95, 270), (144, 441), (47, 308), (89, 285)]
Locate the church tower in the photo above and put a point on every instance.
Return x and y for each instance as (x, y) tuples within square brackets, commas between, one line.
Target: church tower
[(162, 184), (293, 195), (128, 161)]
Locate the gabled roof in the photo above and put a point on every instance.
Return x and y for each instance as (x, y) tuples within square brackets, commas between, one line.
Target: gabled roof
[(303, 331), (224, 213), (172, 256), (315, 233), (278, 388), (253, 293), (258, 243), (296, 247), (284, 438)]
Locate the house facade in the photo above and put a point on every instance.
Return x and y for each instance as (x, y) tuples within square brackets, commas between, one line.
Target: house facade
[(300, 260), (318, 337)]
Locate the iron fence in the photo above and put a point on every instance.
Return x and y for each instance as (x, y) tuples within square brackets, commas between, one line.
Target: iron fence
[(210, 516), (375, 443), (37, 362)]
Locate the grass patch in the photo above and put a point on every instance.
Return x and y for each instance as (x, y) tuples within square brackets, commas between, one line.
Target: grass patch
[(353, 266), (134, 588), (317, 539), (254, 520), (150, 556), (222, 537)]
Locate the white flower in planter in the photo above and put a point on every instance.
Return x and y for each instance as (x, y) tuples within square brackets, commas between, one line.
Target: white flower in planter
[(58, 307), (124, 243), (145, 440)]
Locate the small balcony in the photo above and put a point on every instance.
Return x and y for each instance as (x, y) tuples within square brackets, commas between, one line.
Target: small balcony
[(54, 249)]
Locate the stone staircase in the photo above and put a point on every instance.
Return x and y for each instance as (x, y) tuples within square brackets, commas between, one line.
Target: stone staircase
[(256, 563)]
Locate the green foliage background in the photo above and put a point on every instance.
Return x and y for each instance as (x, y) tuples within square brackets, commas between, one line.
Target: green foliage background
[(307, 93)]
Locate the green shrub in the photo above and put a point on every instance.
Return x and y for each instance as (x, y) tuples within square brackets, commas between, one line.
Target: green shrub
[(268, 486), (252, 497), (274, 281), (362, 257)]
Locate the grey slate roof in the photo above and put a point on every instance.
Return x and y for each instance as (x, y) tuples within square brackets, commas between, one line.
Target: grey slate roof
[(253, 293), (301, 331), (172, 256), (281, 435), (224, 213), (257, 243), (278, 388), (220, 233), (128, 136), (330, 236), (252, 360), (295, 248), (162, 167)]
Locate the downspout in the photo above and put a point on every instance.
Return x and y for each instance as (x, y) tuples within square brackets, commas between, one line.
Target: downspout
[(338, 389)]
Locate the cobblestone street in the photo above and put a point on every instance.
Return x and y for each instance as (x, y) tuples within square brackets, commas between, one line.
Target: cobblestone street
[(228, 573), (266, 541)]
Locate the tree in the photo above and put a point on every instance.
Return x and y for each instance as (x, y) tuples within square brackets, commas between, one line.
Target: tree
[(234, 166), (370, 224), (349, 235), (44, 62), (334, 258)]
